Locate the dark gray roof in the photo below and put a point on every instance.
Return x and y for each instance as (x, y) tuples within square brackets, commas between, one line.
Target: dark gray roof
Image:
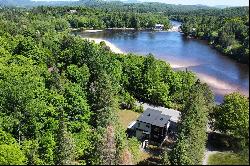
[(154, 117), (175, 115)]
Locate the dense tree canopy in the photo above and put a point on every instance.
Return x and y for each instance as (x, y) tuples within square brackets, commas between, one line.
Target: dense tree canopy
[(190, 145), (60, 94), (227, 30), (232, 116)]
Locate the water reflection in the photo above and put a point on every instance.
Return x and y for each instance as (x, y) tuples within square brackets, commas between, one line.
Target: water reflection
[(221, 73), (151, 35)]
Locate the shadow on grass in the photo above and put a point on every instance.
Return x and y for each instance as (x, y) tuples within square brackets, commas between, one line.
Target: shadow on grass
[(222, 142), (150, 161)]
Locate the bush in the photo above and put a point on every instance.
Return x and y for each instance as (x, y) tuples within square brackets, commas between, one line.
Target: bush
[(165, 158), (138, 109), (11, 155), (134, 148), (104, 46), (127, 101)]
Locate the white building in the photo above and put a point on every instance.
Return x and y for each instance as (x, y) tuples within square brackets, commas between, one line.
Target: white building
[(159, 27), (72, 11)]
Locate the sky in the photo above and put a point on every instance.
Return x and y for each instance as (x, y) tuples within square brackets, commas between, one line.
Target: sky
[(54, 0), (191, 2), (205, 2)]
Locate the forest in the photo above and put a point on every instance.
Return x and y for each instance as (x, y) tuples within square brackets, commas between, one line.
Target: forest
[(226, 30), (60, 94), (90, 18)]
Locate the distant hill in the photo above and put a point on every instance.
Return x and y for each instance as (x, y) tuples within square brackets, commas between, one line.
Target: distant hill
[(103, 3), (222, 6), (29, 3), (113, 5), (14, 2)]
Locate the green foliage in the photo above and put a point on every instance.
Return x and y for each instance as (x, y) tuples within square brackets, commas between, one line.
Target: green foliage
[(47, 147), (78, 75), (102, 95), (30, 149), (44, 70), (76, 107), (190, 145), (121, 144), (165, 158), (127, 101), (227, 158), (65, 148), (139, 109), (134, 147), (83, 143), (231, 116), (6, 138), (10, 152), (227, 30), (153, 81), (11, 155)]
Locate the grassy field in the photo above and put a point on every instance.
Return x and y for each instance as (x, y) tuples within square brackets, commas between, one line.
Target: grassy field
[(226, 158), (127, 116)]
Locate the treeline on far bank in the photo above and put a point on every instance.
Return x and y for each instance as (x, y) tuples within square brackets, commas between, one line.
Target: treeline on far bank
[(227, 30), (83, 17)]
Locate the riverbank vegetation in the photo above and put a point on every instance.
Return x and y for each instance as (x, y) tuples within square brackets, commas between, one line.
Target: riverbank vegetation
[(232, 119), (60, 95), (86, 18), (227, 30)]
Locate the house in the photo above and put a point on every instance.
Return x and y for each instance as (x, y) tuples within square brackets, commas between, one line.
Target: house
[(154, 124), (159, 27), (72, 11)]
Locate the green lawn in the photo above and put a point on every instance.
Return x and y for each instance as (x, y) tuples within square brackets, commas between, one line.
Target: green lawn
[(127, 116), (226, 158)]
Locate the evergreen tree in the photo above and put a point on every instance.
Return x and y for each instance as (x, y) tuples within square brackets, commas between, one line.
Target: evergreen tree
[(65, 149), (105, 105), (190, 145)]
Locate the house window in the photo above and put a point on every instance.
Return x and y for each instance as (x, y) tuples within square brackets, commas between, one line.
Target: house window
[(138, 124), (147, 126), (156, 129)]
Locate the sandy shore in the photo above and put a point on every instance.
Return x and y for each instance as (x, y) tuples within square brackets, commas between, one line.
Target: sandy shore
[(218, 86), (92, 30), (112, 47), (174, 29)]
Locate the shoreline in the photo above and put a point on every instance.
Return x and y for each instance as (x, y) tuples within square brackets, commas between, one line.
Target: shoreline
[(219, 88), (93, 30), (112, 47)]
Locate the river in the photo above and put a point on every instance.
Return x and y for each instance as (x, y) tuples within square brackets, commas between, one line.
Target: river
[(222, 74)]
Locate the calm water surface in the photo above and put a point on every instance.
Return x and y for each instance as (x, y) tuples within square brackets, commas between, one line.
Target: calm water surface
[(222, 74)]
